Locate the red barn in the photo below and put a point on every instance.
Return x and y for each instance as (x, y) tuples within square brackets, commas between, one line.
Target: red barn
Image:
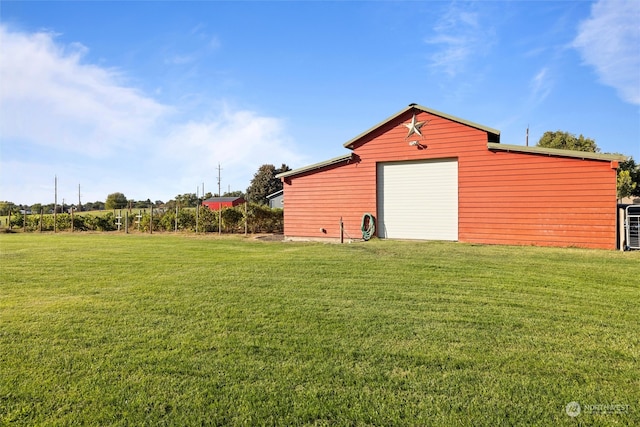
[(423, 174), (217, 203)]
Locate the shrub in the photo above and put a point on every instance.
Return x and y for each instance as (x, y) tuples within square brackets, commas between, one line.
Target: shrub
[(232, 219), (265, 219), (208, 220), (167, 220), (186, 219)]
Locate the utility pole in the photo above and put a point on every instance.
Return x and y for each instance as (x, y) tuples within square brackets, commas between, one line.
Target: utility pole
[(176, 229), (79, 203), (527, 140), (55, 203), (197, 206), (246, 218), (219, 203)]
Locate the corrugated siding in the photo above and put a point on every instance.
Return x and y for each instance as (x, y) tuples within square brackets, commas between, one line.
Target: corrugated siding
[(515, 198), (503, 197), (316, 201)]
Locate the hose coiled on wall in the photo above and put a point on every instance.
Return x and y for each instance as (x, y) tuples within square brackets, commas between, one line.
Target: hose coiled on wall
[(368, 226)]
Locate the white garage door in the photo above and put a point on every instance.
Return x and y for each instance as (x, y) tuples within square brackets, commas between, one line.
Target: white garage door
[(418, 200)]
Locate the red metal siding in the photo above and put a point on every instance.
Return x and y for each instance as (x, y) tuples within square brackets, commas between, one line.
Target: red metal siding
[(516, 198), (315, 202), (503, 197), (214, 206)]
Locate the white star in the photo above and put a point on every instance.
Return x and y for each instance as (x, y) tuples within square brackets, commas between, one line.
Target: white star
[(414, 127)]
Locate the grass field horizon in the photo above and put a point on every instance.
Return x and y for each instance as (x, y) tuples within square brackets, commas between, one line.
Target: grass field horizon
[(173, 329)]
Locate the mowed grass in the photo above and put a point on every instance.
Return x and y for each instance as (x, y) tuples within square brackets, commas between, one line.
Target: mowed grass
[(113, 329)]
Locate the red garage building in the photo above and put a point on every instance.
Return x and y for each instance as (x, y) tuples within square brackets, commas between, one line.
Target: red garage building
[(427, 175), (217, 203)]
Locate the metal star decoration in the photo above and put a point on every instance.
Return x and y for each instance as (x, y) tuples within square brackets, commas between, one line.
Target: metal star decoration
[(414, 127)]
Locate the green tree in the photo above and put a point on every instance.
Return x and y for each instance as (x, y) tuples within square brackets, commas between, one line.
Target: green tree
[(5, 207), (264, 182), (236, 193), (116, 201), (142, 204), (93, 206), (626, 186), (628, 179), (567, 141), (186, 200)]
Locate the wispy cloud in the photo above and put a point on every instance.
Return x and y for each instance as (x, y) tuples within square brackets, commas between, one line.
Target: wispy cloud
[(458, 37), (540, 86), (609, 41), (180, 59), (59, 114), (200, 42)]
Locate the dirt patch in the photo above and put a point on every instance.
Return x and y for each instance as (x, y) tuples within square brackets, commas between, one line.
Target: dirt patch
[(275, 237)]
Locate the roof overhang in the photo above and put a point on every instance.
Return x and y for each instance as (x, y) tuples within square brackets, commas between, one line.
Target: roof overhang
[(276, 194), (555, 152), (496, 133), (330, 162)]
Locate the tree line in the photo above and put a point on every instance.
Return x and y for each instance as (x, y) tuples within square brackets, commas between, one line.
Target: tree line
[(264, 183), (176, 214)]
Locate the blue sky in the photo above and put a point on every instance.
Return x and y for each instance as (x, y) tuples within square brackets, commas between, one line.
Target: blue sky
[(146, 98)]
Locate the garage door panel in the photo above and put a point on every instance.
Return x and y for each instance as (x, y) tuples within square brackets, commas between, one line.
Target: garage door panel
[(418, 200)]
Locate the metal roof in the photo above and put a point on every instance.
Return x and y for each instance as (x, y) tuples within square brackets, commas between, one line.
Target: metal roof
[(223, 199), (555, 152), (276, 194), (487, 129), (308, 168), (496, 146)]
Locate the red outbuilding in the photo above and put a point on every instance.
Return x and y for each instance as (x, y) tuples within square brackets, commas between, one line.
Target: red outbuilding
[(423, 174), (217, 203)]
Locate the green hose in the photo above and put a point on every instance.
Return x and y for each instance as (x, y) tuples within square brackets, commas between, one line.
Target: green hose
[(368, 226)]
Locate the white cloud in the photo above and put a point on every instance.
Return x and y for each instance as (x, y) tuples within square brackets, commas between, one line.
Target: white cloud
[(240, 140), (609, 41), (540, 86), (49, 97), (60, 115), (458, 37)]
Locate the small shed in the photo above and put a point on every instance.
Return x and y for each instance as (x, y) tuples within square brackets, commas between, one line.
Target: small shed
[(276, 200), (217, 203), (428, 175)]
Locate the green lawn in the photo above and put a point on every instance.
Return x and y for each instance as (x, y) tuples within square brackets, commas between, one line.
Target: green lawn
[(113, 329)]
